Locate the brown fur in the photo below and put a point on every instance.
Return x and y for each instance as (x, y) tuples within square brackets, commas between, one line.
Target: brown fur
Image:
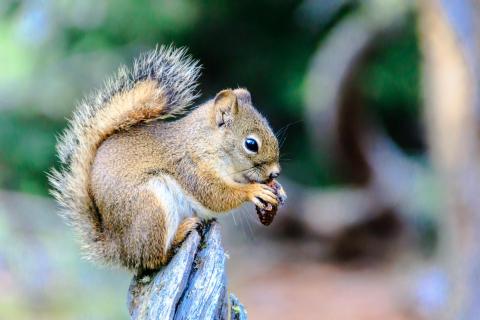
[(134, 185), (161, 84), (206, 160)]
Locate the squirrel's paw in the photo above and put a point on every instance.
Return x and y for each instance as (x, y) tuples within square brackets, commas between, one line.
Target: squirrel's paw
[(280, 192), (186, 226), (261, 195)]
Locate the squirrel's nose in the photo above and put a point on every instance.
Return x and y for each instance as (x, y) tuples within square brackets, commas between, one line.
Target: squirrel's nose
[(274, 174), (274, 171)]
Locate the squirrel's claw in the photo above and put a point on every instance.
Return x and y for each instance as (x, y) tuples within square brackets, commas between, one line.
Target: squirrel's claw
[(259, 203), (262, 194)]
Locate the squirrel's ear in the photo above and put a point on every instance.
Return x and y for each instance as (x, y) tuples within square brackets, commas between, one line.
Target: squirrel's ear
[(243, 95), (225, 107)]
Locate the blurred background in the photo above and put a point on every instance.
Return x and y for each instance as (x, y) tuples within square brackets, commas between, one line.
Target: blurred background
[(370, 151)]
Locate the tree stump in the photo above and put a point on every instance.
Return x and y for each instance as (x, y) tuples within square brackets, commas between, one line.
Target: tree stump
[(192, 286)]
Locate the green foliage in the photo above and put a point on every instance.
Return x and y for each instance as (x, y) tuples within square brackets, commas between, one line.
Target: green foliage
[(55, 53), (28, 141), (391, 83)]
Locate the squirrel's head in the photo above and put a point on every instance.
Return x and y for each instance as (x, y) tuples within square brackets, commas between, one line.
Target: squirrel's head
[(249, 147)]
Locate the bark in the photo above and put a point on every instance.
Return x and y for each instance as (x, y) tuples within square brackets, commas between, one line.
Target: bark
[(192, 286)]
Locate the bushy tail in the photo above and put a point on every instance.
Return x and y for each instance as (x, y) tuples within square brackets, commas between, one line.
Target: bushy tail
[(162, 83)]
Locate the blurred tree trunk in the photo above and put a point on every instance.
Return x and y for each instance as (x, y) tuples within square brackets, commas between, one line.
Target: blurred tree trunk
[(380, 180), (449, 35)]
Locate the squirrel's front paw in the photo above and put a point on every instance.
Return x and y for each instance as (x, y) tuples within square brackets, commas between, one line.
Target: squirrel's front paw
[(261, 195), (279, 191)]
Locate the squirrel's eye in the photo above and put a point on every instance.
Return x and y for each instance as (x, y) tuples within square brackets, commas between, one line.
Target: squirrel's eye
[(251, 145)]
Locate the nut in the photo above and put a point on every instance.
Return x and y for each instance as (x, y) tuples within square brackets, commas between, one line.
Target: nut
[(267, 214)]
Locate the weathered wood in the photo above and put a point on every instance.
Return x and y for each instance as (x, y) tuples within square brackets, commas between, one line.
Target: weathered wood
[(155, 296), (206, 295), (192, 286), (237, 309)]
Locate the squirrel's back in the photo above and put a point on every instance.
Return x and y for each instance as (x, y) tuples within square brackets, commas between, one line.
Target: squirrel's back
[(161, 84)]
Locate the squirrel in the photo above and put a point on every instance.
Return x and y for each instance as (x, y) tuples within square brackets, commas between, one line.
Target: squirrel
[(140, 168)]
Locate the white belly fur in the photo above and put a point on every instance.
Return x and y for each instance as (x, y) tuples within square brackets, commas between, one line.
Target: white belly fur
[(176, 203)]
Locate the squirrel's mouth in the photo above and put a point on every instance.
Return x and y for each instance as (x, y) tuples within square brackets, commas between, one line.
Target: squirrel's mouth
[(251, 179), (250, 176)]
